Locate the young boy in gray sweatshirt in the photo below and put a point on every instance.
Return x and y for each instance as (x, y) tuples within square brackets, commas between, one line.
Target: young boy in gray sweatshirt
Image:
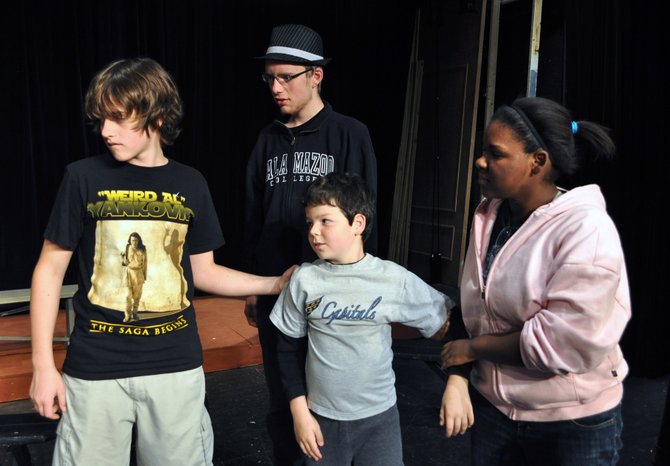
[(335, 317)]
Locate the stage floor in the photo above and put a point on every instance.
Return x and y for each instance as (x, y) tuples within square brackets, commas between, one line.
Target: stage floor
[(237, 400)]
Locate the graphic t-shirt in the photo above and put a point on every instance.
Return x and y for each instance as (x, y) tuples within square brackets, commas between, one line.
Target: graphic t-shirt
[(346, 312), (133, 229)]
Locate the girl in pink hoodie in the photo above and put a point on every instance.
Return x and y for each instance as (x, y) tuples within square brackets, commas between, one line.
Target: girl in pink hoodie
[(545, 300)]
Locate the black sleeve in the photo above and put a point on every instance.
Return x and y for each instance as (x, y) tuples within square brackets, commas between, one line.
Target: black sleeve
[(291, 354), (253, 210), (463, 370), (363, 161), (66, 222), (370, 175), (204, 232), (457, 331)]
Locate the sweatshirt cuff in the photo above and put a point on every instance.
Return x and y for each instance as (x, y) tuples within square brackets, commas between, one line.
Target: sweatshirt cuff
[(295, 391), (463, 370)]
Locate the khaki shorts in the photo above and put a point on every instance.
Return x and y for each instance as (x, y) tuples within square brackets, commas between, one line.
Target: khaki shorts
[(173, 426)]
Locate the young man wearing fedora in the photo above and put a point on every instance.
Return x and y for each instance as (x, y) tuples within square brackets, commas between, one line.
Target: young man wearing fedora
[(309, 141)]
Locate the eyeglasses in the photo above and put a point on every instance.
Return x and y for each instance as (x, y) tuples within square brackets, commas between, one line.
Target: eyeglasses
[(282, 78)]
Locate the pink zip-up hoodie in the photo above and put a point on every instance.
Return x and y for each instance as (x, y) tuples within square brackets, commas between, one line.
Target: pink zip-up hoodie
[(560, 279)]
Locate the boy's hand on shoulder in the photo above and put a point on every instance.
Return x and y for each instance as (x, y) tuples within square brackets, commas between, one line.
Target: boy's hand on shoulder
[(285, 278)]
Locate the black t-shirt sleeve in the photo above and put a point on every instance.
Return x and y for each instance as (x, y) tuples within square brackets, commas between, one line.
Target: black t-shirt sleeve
[(66, 223), (204, 233)]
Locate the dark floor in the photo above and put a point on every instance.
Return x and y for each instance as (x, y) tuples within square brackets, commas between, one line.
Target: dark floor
[(237, 404)]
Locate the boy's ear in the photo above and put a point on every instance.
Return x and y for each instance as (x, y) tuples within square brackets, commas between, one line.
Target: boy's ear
[(359, 224)]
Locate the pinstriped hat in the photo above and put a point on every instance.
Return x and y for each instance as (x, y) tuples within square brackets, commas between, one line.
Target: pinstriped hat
[(295, 43)]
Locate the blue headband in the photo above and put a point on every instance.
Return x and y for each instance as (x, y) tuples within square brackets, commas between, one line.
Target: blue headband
[(575, 127)]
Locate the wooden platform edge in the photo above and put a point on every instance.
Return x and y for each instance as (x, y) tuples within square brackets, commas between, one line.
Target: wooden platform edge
[(227, 340)]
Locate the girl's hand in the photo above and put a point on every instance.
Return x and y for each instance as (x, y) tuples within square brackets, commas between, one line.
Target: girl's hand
[(457, 352)]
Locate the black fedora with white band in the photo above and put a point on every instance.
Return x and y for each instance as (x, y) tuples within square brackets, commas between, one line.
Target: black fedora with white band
[(295, 44)]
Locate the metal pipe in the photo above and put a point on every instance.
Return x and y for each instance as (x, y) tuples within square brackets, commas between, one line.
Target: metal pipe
[(534, 54), (494, 27)]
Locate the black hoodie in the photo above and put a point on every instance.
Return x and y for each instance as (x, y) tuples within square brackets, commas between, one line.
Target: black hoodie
[(282, 165)]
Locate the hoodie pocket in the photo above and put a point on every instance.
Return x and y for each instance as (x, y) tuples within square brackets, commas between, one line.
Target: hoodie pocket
[(536, 390)]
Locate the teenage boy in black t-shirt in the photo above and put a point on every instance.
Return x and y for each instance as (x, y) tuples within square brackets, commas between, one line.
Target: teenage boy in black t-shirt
[(134, 355)]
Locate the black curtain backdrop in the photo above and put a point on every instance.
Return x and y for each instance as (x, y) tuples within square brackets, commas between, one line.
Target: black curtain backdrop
[(616, 68), (606, 60), (52, 49)]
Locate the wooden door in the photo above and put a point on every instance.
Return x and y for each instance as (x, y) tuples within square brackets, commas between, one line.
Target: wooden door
[(451, 43)]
